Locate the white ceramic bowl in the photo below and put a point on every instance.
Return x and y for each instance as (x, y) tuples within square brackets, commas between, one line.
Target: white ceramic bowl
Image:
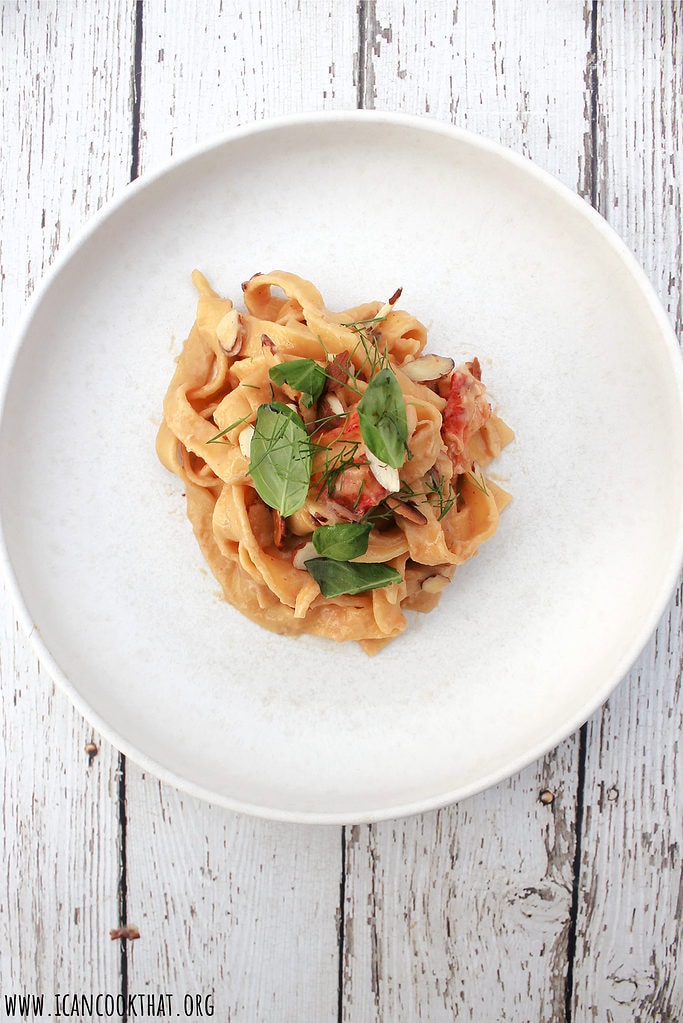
[(500, 261)]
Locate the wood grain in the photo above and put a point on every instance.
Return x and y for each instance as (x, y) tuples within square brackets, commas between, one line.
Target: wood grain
[(468, 912), (515, 73), (463, 911), (244, 907), (61, 849), (222, 67), (505, 907), (630, 928), (239, 908)]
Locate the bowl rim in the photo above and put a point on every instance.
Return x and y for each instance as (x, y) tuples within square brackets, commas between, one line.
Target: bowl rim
[(413, 123)]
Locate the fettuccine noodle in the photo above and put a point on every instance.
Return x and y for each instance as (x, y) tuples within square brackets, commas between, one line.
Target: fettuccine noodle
[(410, 518)]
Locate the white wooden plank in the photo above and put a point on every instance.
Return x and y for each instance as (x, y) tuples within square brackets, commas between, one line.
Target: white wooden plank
[(59, 895), (630, 928), (515, 73), (464, 913), (239, 909), (210, 68), (422, 884), (469, 911), (247, 908)]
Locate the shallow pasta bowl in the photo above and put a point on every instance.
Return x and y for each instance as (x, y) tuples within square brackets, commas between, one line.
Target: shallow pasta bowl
[(500, 261)]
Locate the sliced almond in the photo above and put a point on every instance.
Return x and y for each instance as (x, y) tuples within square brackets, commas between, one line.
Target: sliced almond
[(330, 406), (230, 333), (386, 475), (388, 306), (279, 528), (406, 510), (435, 583), (245, 440), (339, 369), (304, 554), (428, 367)]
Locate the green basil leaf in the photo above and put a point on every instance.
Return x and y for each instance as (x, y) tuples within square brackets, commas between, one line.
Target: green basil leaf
[(337, 577), (303, 375), (281, 458), (343, 541), (382, 416)]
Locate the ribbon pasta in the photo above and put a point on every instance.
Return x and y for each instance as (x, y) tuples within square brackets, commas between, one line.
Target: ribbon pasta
[(419, 519)]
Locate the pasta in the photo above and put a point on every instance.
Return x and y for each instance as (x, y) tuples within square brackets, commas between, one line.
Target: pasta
[(334, 472)]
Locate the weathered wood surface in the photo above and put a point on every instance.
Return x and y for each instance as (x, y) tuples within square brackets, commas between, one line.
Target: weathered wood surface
[(62, 78), (504, 907), (629, 927)]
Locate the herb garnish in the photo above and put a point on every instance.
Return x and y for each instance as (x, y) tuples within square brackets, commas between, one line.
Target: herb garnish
[(335, 573), (383, 422), (360, 326), (439, 492), (282, 452), (337, 460), (343, 541), (303, 375), (218, 436), (338, 577), (478, 478), (281, 458)]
